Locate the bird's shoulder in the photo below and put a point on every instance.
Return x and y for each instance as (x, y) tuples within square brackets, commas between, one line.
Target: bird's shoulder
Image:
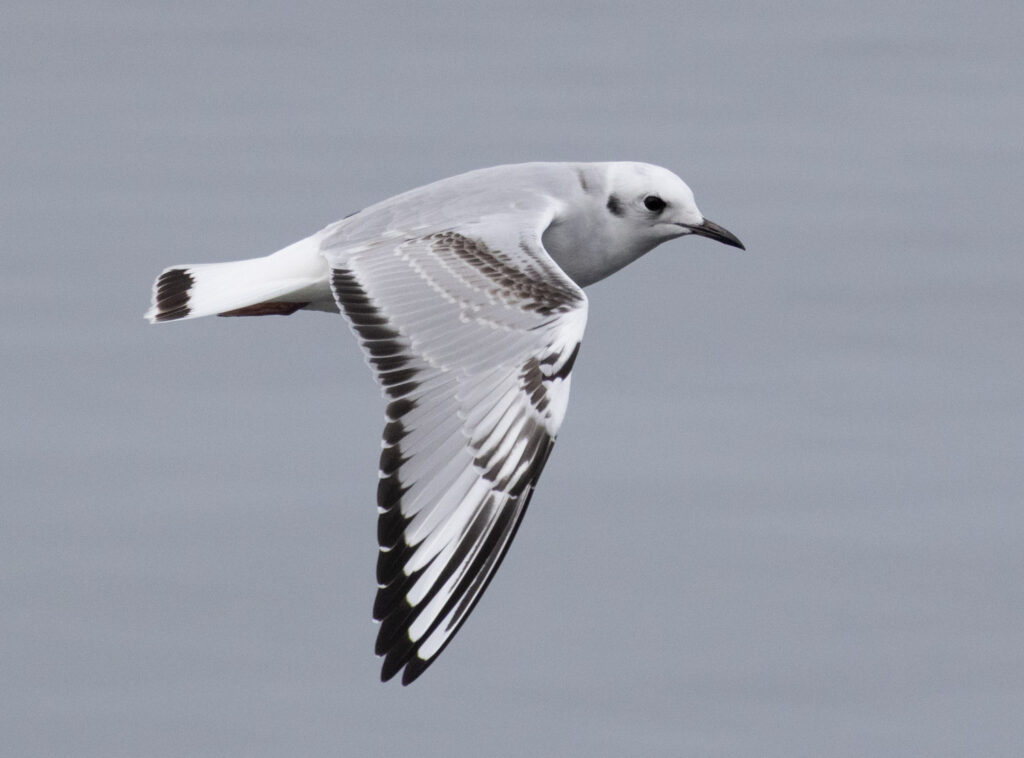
[(489, 199)]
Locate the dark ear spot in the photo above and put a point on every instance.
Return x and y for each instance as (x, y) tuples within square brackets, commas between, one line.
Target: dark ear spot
[(615, 205)]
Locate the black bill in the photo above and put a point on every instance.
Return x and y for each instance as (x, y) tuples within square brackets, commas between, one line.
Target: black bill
[(711, 230)]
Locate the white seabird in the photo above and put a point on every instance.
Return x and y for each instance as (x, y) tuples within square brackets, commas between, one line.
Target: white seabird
[(466, 297)]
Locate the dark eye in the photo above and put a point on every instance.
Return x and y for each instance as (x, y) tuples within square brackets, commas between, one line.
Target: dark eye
[(654, 203)]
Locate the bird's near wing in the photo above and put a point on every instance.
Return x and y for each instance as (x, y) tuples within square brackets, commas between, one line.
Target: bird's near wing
[(472, 334)]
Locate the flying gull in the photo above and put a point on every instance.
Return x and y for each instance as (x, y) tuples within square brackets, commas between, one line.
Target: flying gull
[(466, 296)]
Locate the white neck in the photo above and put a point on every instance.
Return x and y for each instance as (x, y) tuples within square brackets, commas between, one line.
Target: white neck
[(587, 241)]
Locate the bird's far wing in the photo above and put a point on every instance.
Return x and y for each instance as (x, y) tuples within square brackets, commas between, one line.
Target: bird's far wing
[(472, 333)]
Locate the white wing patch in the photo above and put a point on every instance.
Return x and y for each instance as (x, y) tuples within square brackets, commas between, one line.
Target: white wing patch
[(473, 344)]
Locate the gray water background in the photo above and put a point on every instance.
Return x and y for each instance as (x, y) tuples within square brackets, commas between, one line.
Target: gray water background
[(784, 517)]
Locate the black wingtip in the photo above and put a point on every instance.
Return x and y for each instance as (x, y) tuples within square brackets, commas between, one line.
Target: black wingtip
[(411, 667), (396, 659)]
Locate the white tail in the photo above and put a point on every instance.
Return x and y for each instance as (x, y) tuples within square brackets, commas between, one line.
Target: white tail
[(282, 283)]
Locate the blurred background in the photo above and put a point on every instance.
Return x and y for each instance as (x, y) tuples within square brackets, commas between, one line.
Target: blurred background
[(784, 517)]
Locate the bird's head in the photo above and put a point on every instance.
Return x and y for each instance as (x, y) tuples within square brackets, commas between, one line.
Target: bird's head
[(624, 210), (653, 205)]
